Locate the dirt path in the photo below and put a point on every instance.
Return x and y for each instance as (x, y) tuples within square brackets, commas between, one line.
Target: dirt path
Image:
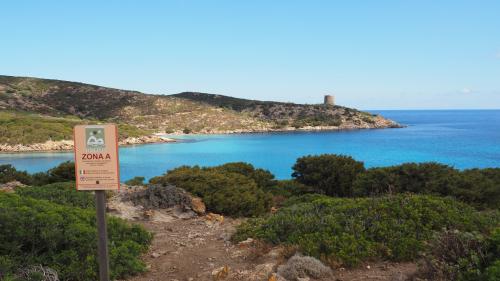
[(192, 249)]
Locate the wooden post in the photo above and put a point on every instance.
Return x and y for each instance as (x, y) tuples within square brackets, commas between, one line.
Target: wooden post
[(102, 235)]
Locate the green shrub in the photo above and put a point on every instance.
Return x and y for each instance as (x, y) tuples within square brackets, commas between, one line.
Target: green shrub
[(63, 193), (456, 255), (493, 271), (348, 231), (263, 178), (478, 187), (331, 174), (135, 181), (427, 178), (8, 173), (61, 173), (224, 192), (289, 188), (36, 232)]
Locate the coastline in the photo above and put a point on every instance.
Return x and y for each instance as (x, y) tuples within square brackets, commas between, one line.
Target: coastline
[(67, 145)]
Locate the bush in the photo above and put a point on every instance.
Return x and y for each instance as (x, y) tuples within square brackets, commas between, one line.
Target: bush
[(263, 178), (456, 255), (303, 267), (478, 187), (427, 178), (63, 172), (347, 231), (8, 173), (289, 188), (135, 181), (224, 192), (63, 193), (332, 174), (37, 232)]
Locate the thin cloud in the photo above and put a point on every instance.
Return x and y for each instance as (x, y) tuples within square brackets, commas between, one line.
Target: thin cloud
[(466, 91)]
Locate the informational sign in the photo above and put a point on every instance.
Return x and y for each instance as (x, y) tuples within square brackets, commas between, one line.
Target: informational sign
[(96, 157)]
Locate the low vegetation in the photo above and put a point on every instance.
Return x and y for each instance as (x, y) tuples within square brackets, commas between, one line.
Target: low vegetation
[(224, 189), (458, 255), (477, 187), (34, 232), (347, 231), (63, 193), (333, 209), (18, 127), (332, 175)]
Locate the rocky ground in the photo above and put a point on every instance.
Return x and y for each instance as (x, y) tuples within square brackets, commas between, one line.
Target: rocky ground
[(192, 245)]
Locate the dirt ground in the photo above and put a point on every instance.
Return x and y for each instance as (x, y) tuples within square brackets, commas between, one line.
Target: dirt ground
[(196, 248)]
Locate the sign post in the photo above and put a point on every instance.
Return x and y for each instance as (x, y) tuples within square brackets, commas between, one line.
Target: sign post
[(97, 169)]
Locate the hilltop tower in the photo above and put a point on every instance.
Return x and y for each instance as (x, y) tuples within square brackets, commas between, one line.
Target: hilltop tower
[(329, 100)]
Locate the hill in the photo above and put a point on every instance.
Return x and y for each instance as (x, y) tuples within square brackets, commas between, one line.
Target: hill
[(37, 108)]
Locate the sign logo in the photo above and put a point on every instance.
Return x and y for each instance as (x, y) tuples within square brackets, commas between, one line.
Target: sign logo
[(95, 139)]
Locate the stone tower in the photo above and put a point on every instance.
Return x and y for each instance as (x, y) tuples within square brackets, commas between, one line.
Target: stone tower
[(329, 100)]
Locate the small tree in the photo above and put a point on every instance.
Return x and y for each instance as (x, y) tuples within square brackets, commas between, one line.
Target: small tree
[(332, 174)]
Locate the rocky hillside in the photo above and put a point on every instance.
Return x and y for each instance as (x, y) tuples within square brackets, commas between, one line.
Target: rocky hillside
[(186, 112)]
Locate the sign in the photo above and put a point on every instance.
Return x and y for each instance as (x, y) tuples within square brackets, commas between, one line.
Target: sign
[(96, 157)]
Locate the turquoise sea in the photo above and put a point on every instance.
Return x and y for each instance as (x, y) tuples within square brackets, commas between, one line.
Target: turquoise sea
[(461, 138)]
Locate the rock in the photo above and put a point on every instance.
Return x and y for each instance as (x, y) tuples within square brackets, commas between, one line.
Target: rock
[(302, 278), (148, 214), (214, 217), (263, 271), (220, 273), (10, 186), (181, 213), (155, 255), (247, 243), (198, 206)]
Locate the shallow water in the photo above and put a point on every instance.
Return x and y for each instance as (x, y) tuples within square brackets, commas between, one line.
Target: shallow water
[(461, 138)]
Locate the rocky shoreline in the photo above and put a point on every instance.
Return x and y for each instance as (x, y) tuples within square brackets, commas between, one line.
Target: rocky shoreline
[(379, 123), (64, 145)]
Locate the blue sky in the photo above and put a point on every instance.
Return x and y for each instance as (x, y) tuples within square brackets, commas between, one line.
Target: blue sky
[(370, 54)]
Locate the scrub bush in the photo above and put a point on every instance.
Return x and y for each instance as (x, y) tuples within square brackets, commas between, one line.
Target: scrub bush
[(37, 232), (8, 173), (263, 178), (63, 172), (457, 255), (224, 192), (477, 187), (63, 193), (303, 267), (347, 231), (427, 178), (330, 174)]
